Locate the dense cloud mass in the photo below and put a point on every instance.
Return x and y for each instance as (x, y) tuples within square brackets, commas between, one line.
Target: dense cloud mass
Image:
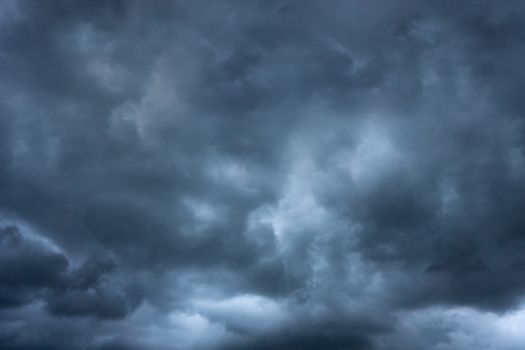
[(282, 174)]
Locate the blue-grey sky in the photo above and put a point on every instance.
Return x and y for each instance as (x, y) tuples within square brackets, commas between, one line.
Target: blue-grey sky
[(263, 175)]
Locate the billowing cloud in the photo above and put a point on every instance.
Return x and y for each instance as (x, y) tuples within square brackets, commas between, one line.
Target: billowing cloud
[(202, 175)]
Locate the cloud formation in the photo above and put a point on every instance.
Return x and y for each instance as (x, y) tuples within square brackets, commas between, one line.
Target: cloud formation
[(202, 175)]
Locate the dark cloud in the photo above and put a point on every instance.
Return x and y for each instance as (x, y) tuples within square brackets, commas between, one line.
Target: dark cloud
[(30, 271), (24, 265), (261, 174)]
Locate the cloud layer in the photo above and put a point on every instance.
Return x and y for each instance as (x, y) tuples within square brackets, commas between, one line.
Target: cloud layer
[(201, 175)]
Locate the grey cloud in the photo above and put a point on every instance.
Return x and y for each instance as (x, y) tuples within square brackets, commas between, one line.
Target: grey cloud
[(31, 271), (25, 265), (276, 174)]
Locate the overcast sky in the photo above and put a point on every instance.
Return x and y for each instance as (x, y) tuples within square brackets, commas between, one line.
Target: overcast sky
[(262, 175)]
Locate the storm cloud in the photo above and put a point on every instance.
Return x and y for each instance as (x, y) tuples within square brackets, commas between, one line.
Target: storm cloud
[(198, 175)]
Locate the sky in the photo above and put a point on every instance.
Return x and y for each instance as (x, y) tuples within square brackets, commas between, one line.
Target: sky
[(262, 175)]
